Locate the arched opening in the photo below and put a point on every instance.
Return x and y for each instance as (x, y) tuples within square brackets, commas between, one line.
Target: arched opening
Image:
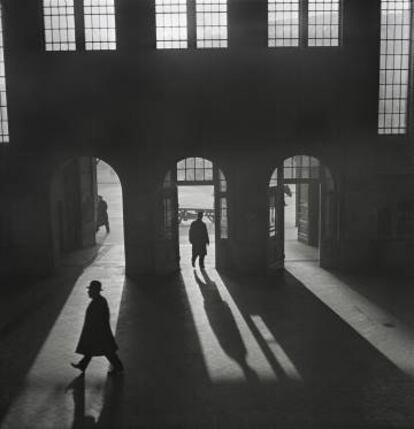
[(110, 189), (83, 255), (195, 185), (86, 211), (302, 213)]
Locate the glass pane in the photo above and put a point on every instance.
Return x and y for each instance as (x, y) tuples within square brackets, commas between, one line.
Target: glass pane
[(283, 23), (394, 66), (208, 174), (323, 22), (4, 124), (171, 24), (194, 169), (58, 18), (211, 23)]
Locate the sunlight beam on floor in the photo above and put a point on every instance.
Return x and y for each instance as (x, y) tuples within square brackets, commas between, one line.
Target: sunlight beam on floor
[(380, 328), (219, 322), (44, 402), (281, 357)]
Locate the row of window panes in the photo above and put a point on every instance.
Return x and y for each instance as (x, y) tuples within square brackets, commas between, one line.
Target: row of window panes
[(284, 23), (171, 24), (283, 15), (194, 169), (298, 167), (199, 169), (59, 23), (211, 23)]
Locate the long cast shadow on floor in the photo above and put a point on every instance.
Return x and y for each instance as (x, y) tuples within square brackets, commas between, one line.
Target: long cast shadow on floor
[(348, 383), (32, 310), (223, 324), (345, 382)]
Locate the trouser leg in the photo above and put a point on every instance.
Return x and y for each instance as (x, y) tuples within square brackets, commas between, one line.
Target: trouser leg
[(115, 361), (193, 257), (84, 362), (201, 260)]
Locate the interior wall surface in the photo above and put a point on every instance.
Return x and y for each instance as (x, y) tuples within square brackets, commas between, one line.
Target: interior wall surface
[(73, 197), (247, 107)]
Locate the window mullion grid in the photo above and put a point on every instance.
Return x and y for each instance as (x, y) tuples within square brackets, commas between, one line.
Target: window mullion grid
[(395, 67), (79, 24), (410, 72), (303, 23), (395, 73), (4, 122), (191, 26)]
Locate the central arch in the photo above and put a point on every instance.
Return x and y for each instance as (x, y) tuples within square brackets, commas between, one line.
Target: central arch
[(173, 247)]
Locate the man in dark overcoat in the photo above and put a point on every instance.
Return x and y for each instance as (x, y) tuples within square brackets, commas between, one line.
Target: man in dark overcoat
[(96, 338), (199, 240)]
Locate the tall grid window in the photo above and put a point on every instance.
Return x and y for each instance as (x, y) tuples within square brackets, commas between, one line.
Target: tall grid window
[(283, 23), (323, 22), (194, 170), (100, 31), (394, 66), (59, 21), (4, 124), (171, 24), (211, 18)]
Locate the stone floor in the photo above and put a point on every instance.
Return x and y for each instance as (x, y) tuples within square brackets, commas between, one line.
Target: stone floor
[(310, 349)]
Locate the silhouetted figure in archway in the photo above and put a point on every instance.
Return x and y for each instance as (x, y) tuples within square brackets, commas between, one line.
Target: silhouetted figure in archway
[(102, 214), (96, 338), (199, 240)]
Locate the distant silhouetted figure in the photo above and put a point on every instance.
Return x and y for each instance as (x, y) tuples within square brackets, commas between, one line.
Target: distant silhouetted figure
[(102, 214), (96, 338), (199, 240)]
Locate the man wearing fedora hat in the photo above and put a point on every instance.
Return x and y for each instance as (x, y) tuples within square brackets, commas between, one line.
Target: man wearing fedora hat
[(96, 338)]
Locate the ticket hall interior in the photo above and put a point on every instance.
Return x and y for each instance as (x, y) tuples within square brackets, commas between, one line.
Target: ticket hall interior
[(286, 125)]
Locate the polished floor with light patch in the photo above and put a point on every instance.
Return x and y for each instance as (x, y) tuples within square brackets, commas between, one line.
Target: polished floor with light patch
[(310, 349)]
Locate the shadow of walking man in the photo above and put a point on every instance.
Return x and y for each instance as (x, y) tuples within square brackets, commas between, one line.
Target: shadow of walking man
[(111, 412), (80, 421), (224, 325)]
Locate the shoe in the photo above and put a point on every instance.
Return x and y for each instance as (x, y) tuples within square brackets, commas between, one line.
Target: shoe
[(77, 366)]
